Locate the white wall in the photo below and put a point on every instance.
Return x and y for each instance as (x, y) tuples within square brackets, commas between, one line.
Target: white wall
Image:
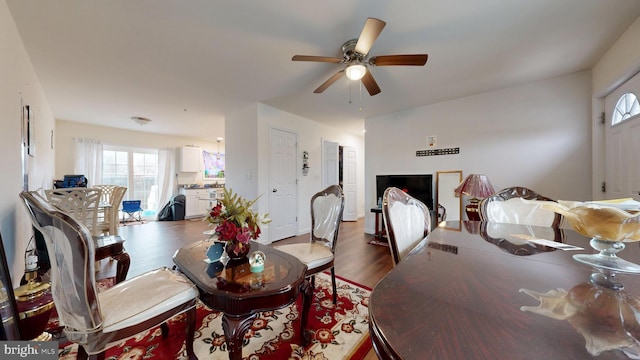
[(536, 135), (66, 131), (310, 136), (19, 84), (242, 169)]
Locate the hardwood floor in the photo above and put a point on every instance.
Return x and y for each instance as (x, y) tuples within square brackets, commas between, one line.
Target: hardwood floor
[(153, 244)]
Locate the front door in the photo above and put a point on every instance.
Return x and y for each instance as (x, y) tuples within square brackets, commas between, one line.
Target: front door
[(283, 197), (622, 144)]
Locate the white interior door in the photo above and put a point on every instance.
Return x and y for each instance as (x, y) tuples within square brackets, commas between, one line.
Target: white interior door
[(622, 144), (349, 184), (283, 196), (330, 174)]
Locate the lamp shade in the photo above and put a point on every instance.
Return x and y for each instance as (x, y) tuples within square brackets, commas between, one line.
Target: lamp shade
[(475, 185), (355, 71)]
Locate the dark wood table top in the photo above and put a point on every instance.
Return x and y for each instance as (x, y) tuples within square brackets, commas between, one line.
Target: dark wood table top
[(234, 289), (459, 295)]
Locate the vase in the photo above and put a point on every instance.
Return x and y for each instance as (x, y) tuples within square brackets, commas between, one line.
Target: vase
[(237, 250)]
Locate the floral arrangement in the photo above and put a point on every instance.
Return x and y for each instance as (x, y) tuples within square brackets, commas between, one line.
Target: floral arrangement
[(236, 223)]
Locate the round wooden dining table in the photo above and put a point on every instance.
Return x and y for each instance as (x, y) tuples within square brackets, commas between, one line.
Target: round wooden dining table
[(473, 290)]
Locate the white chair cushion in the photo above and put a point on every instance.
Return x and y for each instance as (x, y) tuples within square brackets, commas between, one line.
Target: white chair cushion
[(143, 297), (311, 254), (519, 211)]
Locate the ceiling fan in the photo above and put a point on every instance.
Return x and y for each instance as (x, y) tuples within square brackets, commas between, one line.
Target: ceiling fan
[(354, 55)]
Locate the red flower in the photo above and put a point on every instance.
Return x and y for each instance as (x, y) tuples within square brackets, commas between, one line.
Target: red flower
[(244, 235), (216, 211), (227, 230)]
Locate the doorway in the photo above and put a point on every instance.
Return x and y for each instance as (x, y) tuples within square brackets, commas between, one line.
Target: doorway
[(339, 166)]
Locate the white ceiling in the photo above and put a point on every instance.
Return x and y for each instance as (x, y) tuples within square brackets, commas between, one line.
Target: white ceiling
[(187, 64)]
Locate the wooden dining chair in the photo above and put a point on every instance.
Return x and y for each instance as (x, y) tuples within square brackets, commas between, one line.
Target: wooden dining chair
[(507, 206), (80, 203), (407, 221), (98, 320), (319, 254)]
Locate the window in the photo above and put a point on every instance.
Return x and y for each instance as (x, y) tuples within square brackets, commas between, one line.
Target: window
[(626, 107), (135, 168)]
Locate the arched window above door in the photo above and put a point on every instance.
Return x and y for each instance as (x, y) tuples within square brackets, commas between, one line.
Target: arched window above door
[(626, 107)]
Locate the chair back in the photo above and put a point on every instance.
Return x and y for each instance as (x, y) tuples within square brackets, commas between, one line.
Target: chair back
[(112, 196), (71, 252), (80, 203), (507, 206), (326, 214), (407, 221), (131, 205)]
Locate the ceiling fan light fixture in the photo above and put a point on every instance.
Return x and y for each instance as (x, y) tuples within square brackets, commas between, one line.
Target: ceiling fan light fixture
[(355, 71)]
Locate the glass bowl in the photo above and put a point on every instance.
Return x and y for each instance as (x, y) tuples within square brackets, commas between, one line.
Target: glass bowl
[(608, 227)]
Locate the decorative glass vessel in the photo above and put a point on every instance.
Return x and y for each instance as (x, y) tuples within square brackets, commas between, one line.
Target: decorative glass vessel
[(608, 226), (237, 250)]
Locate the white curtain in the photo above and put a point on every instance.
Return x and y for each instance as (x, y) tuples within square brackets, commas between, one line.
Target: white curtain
[(166, 176), (88, 160)]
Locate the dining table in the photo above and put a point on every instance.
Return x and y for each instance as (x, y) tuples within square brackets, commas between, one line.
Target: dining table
[(477, 290), (231, 287)]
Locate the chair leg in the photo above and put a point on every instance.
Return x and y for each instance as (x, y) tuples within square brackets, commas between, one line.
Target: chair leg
[(164, 329), (335, 290), (82, 354), (190, 330)]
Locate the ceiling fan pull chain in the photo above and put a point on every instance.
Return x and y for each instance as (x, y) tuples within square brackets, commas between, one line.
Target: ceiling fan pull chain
[(360, 96), (349, 92)]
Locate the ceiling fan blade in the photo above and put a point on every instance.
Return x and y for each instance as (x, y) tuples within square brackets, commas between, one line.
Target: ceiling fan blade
[(329, 82), (316, 58), (370, 83), (391, 60), (372, 28)]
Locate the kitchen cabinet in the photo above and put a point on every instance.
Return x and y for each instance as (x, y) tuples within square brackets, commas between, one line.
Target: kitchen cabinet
[(198, 202), (190, 158)]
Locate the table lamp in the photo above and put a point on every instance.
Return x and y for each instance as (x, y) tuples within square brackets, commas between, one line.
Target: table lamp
[(34, 302), (478, 187)]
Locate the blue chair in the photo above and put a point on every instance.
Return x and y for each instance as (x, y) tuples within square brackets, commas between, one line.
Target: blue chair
[(132, 209)]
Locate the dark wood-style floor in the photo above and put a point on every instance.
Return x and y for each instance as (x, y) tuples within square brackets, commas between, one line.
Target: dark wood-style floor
[(153, 244)]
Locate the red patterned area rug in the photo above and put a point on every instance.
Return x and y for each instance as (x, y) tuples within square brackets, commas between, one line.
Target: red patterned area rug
[(338, 332)]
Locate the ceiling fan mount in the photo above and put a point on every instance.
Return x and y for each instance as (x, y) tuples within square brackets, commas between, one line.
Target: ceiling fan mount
[(349, 53), (354, 54)]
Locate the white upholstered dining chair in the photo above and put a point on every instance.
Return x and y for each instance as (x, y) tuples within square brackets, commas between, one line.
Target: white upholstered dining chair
[(97, 320), (509, 206), (326, 214), (407, 221)]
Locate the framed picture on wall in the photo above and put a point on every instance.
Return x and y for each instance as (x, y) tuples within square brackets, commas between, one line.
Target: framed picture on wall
[(213, 165), (28, 130)]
